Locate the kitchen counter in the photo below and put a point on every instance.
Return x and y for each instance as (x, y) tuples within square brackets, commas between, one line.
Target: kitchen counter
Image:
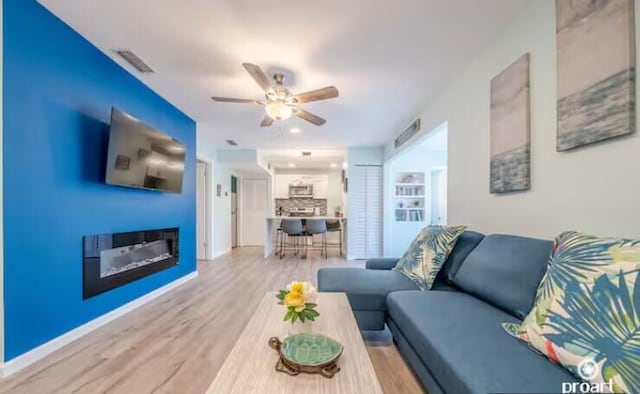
[(305, 217), (273, 222)]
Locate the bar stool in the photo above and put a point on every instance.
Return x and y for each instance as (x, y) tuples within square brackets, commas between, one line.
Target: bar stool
[(279, 239), (318, 226), (292, 228), (334, 226)]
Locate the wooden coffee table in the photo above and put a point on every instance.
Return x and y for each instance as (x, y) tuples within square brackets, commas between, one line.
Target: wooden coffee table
[(250, 367)]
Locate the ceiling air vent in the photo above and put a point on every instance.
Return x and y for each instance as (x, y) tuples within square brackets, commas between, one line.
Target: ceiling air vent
[(406, 135), (306, 153), (134, 60), (232, 143)]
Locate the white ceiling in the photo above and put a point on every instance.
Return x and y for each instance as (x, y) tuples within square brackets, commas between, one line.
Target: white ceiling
[(387, 58), (292, 159)]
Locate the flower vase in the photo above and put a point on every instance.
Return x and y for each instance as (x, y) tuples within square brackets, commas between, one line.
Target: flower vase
[(299, 327)]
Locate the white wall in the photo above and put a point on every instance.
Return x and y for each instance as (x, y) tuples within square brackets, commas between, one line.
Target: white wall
[(1, 194), (335, 191), (594, 189)]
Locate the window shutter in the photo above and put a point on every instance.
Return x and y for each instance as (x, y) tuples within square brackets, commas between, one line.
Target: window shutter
[(366, 184)]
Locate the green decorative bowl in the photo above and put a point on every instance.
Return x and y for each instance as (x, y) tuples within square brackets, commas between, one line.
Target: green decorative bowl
[(312, 350)]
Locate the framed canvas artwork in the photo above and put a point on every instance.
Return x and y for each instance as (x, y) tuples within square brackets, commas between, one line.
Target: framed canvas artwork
[(596, 71), (510, 129)]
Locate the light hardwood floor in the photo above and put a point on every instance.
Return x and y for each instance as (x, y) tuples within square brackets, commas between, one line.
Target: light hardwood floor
[(177, 343)]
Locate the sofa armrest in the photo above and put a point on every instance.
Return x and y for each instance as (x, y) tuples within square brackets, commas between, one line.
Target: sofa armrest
[(382, 263)]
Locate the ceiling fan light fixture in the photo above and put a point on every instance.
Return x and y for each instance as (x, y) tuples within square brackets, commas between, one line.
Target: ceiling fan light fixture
[(278, 111)]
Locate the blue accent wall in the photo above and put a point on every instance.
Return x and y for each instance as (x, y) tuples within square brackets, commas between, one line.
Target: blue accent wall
[(58, 94)]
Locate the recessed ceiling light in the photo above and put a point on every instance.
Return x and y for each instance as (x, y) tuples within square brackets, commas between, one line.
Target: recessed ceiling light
[(292, 165), (295, 130), (333, 165)]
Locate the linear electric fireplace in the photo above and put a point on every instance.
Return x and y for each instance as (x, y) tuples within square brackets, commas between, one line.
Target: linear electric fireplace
[(111, 260)]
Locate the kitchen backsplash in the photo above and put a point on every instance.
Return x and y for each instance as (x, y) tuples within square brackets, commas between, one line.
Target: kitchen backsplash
[(288, 203)]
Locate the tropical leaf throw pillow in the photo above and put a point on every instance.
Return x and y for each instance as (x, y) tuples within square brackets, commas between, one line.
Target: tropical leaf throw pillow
[(427, 253), (587, 311)]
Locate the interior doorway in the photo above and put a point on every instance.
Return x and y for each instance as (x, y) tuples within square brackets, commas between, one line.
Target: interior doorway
[(415, 190), (439, 197), (234, 212), (254, 211), (203, 206)]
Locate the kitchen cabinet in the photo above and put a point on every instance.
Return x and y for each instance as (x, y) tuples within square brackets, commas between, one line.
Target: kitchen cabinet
[(320, 186), (282, 186)]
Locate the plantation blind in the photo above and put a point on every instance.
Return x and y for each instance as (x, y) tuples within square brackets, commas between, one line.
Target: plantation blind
[(366, 184)]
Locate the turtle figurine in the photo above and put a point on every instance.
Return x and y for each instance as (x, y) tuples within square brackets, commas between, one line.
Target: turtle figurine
[(308, 353)]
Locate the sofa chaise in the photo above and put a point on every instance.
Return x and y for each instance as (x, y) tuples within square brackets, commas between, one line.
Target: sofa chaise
[(451, 336)]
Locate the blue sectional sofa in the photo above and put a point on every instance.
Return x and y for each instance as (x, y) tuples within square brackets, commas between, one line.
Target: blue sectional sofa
[(451, 336)]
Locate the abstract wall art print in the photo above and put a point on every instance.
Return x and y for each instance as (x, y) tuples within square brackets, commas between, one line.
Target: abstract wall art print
[(510, 128), (596, 71)]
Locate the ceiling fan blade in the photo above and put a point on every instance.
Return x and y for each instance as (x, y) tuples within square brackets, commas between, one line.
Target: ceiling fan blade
[(308, 116), (258, 75), (235, 100), (267, 121), (317, 95)]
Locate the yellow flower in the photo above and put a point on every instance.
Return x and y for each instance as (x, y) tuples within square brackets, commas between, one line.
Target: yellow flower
[(297, 287), (295, 300), (298, 294)]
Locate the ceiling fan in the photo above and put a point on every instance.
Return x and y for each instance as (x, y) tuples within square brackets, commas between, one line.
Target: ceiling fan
[(279, 102)]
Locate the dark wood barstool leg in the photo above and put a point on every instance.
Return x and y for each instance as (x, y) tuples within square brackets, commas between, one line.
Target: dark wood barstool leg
[(324, 241), (282, 245)]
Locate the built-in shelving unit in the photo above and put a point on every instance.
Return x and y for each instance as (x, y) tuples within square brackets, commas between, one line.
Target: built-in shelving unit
[(409, 199)]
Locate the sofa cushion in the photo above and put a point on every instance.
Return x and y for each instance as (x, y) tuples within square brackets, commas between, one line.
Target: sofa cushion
[(505, 270), (464, 246), (588, 307), (460, 340), (381, 263), (427, 254), (366, 289)]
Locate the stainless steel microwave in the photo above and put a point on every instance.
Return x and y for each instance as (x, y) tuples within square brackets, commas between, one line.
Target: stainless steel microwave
[(301, 191)]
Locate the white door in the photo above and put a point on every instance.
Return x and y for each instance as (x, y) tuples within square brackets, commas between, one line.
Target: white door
[(254, 211), (439, 197), (234, 220), (366, 183), (201, 202)]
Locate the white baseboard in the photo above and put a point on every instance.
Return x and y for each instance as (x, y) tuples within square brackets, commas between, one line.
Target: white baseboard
[(220, 253), (30, 357)]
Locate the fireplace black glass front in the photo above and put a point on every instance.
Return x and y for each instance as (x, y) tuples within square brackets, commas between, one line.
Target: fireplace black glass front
[(111, 260)]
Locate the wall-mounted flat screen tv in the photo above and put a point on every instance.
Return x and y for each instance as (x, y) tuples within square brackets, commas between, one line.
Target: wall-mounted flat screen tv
[(142, 157)]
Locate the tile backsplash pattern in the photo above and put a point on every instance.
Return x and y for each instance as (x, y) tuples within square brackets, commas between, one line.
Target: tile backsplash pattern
[(288, 203)]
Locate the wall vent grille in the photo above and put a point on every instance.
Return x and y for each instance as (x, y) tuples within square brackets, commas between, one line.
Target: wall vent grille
[(407, 133), (134, 60)]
